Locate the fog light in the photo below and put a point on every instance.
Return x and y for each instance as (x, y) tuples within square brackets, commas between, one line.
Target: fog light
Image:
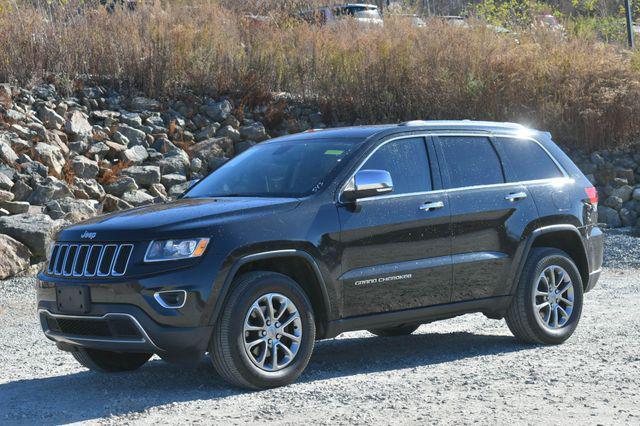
[(171, 299)]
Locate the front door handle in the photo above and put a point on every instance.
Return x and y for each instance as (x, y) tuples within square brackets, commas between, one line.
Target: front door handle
[(428, 206), (515, 196)]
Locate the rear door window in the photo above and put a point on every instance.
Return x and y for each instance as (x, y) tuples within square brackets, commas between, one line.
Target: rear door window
[(527, 160), (471, 161), (406, 161)]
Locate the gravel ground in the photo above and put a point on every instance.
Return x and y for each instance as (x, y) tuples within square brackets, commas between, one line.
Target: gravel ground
[(465, 370)]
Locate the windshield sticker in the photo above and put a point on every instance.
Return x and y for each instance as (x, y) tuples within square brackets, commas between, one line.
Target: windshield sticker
[(334, 152)]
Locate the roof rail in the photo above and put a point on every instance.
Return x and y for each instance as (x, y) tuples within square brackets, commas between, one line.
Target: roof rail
[(414, 123), (461, 123)]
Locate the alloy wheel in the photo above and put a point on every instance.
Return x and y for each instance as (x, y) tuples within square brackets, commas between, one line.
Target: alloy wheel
[(272, 332), (553, 297)]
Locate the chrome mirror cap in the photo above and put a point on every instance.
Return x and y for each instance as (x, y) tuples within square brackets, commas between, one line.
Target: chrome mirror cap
[(368, 183)]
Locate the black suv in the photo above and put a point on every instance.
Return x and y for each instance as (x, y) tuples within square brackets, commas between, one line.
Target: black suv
[(310, 235)]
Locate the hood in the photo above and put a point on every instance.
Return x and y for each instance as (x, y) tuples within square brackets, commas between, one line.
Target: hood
[(185, 217)]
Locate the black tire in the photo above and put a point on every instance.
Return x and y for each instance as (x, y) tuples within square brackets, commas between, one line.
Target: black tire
[(403, 330), (522, 318), (227, 343), (110, 362)]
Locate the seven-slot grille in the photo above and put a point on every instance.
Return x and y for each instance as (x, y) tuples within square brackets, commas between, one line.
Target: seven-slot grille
[(89, 260)]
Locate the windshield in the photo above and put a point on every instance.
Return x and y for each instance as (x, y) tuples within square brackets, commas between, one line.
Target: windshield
[(367, 13), (276, 169), (360, 12)]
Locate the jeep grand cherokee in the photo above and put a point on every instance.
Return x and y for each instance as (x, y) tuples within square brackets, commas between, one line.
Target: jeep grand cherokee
[(310, 235)]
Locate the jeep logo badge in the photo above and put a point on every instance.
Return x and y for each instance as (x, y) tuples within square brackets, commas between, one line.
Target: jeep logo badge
[(89, 235)]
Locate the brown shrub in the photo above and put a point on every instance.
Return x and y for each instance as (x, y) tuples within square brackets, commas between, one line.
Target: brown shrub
[(585, 93), (67, 173), (112, 172)]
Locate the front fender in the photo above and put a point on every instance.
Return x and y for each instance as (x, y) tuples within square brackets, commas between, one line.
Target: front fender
[(228, 273)]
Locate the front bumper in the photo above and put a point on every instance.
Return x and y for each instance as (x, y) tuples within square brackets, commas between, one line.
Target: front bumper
[(125, 316), (122, 328)]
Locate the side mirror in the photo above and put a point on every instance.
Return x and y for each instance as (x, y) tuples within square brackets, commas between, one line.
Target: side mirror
[(368, 183)]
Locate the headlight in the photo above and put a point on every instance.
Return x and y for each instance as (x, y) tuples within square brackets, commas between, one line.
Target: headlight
[(176, 249)]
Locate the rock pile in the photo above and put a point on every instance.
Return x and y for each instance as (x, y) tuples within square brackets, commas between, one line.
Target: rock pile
[(616, 175), (65, 159)]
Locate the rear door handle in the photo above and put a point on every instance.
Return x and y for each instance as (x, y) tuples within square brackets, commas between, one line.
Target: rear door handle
[(515, 196), (428, 206)]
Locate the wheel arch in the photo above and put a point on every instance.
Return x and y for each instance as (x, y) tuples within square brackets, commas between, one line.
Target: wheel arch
[(297, 264), (564, 237)]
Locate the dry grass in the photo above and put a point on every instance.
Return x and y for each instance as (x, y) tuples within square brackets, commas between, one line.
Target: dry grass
[(585, 93)]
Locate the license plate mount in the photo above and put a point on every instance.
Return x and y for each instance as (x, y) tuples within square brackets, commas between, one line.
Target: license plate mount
[(73, 299)]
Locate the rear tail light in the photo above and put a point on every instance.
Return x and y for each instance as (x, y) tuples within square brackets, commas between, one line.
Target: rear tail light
[(592, 194)]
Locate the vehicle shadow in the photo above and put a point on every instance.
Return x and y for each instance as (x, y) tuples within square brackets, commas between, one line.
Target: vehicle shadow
[(86, 395)]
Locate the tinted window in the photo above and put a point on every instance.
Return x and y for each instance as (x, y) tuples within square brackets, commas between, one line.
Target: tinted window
[(406, 161), (527, 160), (289, 168), (471, 161)]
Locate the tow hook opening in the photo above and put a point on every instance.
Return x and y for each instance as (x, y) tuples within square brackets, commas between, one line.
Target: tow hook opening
[(171, 299)]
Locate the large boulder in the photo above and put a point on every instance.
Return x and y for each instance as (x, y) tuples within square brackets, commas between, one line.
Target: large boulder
[(77, 124), (131, 118), (50, 189), (609, 216), (624, 192), (15, 207), (84, 168), (71, 209), (254, 132), (613, 202), (7, 154), (218, 111), (33, 230), (51, 156), (88, 189), (136, 154), (134, 136), (176, 161), (6, 196), (51, 119), (173, 179), (228, 132), (5, 182), (21, 191), (207, 132), (15, 256), (143, 175), (114, 204), (628, 217), (120, 186), (137, 198), (140, 104), (209, 148), (99, 150)]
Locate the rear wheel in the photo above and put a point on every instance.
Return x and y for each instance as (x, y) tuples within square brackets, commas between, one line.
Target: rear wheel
[(266, 332), (402, 330), (110, 362), (547, 305)]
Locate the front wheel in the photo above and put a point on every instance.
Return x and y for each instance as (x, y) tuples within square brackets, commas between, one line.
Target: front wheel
[(547, 305), (266, 332), (110, 362)]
